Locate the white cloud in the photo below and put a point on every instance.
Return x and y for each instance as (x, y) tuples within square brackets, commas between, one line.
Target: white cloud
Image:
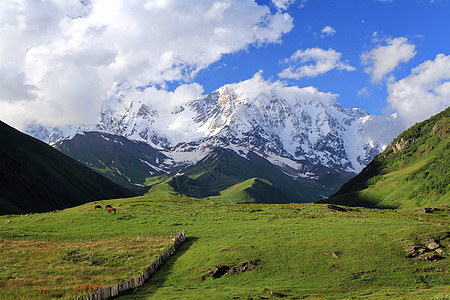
[(13, 86), (328, 31), (283, 4), (425, 92), (322, 60), (363, 92), (63, 55), (384, 59)]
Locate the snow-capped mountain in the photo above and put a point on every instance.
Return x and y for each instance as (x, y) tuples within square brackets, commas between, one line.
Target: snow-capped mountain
[(296, 128)]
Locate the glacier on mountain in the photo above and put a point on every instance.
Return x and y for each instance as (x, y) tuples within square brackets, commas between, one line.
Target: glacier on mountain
[(289, 125)]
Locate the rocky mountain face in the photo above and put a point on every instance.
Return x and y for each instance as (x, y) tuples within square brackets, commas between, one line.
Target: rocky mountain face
[(121, 160), (303, 131)]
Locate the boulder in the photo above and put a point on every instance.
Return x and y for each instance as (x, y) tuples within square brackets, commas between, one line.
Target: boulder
[(432, 245), (439, 251)]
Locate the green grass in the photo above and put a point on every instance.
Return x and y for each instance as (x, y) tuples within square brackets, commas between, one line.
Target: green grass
[(413, 171), (31, 269), (254, 190), (289, 240), (155, 180)]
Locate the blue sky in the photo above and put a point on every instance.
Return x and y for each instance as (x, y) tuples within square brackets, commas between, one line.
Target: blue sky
[(426, 25), (60, 60)]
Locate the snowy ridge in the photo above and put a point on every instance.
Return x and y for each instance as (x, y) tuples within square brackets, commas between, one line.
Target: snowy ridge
[(290, 126)]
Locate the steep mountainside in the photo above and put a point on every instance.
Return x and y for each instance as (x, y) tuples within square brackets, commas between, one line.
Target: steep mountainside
[(284, 124), (413, 171), (224, 168), (34, 177), (304, 132), (123, 161)]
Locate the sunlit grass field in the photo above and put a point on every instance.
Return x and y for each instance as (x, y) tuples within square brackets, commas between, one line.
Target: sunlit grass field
[(296, 251)]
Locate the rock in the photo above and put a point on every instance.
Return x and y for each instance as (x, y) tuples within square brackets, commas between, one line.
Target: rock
[(246, 266), (278, 294), (439, 251), (412, 251), (429, 210), (432, 245), (432, 258), (218, 271), (215, 272), (334, 254)]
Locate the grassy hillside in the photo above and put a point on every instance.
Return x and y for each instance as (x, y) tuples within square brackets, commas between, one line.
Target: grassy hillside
[(34, 177), (240, 251), (223, 168), (254, 190), (413, 171)]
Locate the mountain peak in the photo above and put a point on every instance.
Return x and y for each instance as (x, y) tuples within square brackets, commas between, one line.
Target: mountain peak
[(276, 121)]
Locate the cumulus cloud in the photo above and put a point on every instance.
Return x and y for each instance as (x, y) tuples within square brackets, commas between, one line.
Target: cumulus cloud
[(65, 56), (425, 92), (283, 4), (259, 88), (382, 60), (328, 31), (321, 61), (13, 86)]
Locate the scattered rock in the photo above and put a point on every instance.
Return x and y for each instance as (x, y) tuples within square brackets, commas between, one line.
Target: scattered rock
[(429, 210), (432, 258), (432, 245), (412, 251), (441, 270), (219, 271), (334, 254), (247, 266), (215, 272)]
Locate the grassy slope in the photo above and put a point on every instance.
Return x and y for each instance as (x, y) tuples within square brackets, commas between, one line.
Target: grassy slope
[(254, 190), (34, 177), (223, 168), (413, 171), (289, 240)]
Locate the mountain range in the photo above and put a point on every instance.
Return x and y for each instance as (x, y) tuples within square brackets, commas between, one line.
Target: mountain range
[(305, 133)]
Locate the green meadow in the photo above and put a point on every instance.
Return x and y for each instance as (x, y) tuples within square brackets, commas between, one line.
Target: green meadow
[(233, 251)]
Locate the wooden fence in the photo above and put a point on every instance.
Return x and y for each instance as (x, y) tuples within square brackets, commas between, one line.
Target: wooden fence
[(116, 289)]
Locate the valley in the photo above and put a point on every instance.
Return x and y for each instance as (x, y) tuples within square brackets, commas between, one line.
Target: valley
[(295, 250), (224, 149)]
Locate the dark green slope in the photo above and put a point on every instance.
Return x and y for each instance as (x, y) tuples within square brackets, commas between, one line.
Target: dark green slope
[(121, 160), (223, 168), (413, 171), (34, 177)]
